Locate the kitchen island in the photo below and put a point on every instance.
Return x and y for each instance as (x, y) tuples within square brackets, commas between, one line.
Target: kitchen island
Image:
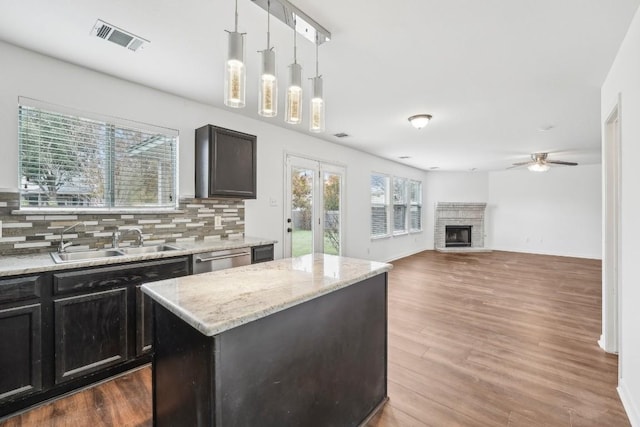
[(292, 342)]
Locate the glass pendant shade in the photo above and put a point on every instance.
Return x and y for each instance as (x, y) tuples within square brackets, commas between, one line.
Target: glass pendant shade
[(538, 167), (268, 93), (235, 76), (293, 112), (316, 123)]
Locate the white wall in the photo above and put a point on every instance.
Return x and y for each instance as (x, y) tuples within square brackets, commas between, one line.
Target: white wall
[(624, 79), (24, 73), (557, 212), (454, 187)]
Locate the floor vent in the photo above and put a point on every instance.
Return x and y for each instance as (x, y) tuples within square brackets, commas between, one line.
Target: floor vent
[(118, 36)]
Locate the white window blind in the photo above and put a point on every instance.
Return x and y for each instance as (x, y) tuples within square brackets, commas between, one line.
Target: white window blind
[(70, 161), (399, 205), (379, 204), (415, 205)]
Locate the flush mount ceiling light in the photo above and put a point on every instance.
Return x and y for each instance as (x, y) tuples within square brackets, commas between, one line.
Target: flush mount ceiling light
[(234, 74), (420, 120)]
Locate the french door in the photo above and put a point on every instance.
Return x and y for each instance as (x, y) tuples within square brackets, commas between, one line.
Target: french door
[(314, 207)]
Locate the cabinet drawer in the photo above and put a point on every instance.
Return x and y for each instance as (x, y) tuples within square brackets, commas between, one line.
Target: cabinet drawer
[(119, 275), (19, 288), (261, 253)]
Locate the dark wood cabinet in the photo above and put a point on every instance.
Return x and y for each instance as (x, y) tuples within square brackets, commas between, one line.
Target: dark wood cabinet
[(20, 351), (67, 329), (262, 253), (225, 163), (90, 333), (144, 322)]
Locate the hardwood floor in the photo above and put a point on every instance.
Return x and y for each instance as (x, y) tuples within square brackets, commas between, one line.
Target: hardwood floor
[(484, 339)]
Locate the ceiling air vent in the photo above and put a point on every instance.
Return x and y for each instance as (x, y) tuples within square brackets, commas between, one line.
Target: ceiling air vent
[(118, 36)]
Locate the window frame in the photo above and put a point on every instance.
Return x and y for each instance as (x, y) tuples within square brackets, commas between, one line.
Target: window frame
[(118, 126), (386, 204), (390, 204), (418, 203), (404, 202)]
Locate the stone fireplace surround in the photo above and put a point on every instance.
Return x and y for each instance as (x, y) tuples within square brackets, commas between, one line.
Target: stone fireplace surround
[(460, 213)]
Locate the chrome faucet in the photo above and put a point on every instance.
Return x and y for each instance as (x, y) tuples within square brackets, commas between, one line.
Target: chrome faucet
[(62, 246), (117, 235)]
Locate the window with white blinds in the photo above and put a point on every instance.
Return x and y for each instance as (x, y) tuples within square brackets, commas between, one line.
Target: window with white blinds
[(70, 161), (400, 203), (379, 205), (415, 206), (396, 206)]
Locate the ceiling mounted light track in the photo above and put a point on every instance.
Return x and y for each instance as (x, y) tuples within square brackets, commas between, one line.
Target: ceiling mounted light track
[(235, 75), (293, 17)]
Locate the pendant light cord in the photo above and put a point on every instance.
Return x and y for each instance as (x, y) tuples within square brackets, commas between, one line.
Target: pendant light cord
[(295, 44), (268, 24), (236, 16), (317, 72)]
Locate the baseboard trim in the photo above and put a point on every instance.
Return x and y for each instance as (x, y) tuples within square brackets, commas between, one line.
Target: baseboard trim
[(629, 404)]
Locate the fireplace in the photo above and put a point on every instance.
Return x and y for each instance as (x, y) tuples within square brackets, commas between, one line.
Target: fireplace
[(457, 236)]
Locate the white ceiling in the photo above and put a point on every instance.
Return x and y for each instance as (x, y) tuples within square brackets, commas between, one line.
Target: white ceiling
[(491, 72)]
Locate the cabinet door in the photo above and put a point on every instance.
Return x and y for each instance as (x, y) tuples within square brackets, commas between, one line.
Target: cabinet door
[(144, 322), (20, 351), (90, 333), (225, 163)]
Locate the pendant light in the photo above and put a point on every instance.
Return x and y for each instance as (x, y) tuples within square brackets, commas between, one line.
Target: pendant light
[(268, 92), (234, 74), (316, 123), (293, 103)]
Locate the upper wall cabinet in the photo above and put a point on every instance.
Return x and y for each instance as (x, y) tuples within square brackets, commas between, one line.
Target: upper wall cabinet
[(225, 163)]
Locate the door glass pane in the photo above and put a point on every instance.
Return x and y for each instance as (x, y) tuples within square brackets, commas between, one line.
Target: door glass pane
[(301, 211), (332, 189)]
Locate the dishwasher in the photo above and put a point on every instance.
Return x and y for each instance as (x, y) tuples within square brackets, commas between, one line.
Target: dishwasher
[(218, 260)]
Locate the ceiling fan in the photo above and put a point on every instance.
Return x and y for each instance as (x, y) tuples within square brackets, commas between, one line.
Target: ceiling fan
[(540, 163)]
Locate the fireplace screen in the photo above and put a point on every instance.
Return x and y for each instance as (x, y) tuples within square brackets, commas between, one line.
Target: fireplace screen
[(457, 236)]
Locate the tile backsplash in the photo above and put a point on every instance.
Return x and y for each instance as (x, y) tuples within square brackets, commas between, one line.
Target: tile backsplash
[(195, 220)]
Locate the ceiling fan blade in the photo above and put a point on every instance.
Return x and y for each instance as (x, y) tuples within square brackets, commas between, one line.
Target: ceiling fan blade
[(523, 163), (560, 162)]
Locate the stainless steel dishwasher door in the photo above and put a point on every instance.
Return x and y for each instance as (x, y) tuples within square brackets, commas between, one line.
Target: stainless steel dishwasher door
[(218, 260)]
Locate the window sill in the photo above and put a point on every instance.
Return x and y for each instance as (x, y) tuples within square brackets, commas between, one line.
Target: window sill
[(400, 233), (95, 211), (386, 236)]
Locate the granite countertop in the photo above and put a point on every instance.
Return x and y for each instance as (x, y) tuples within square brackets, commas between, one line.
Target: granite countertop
[(38, 263), (221, 300)]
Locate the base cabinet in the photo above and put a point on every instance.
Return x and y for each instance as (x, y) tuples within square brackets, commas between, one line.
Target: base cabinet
[(67, 329), (20, 351), (90, 333)]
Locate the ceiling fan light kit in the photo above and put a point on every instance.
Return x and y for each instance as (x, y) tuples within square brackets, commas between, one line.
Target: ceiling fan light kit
[(420, 120), (540, 163)]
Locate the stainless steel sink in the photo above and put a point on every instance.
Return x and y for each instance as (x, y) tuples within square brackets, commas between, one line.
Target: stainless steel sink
[(151, 249), (60, 257)]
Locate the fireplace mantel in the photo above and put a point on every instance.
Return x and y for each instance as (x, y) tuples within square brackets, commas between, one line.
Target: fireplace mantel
[(460, 214)]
